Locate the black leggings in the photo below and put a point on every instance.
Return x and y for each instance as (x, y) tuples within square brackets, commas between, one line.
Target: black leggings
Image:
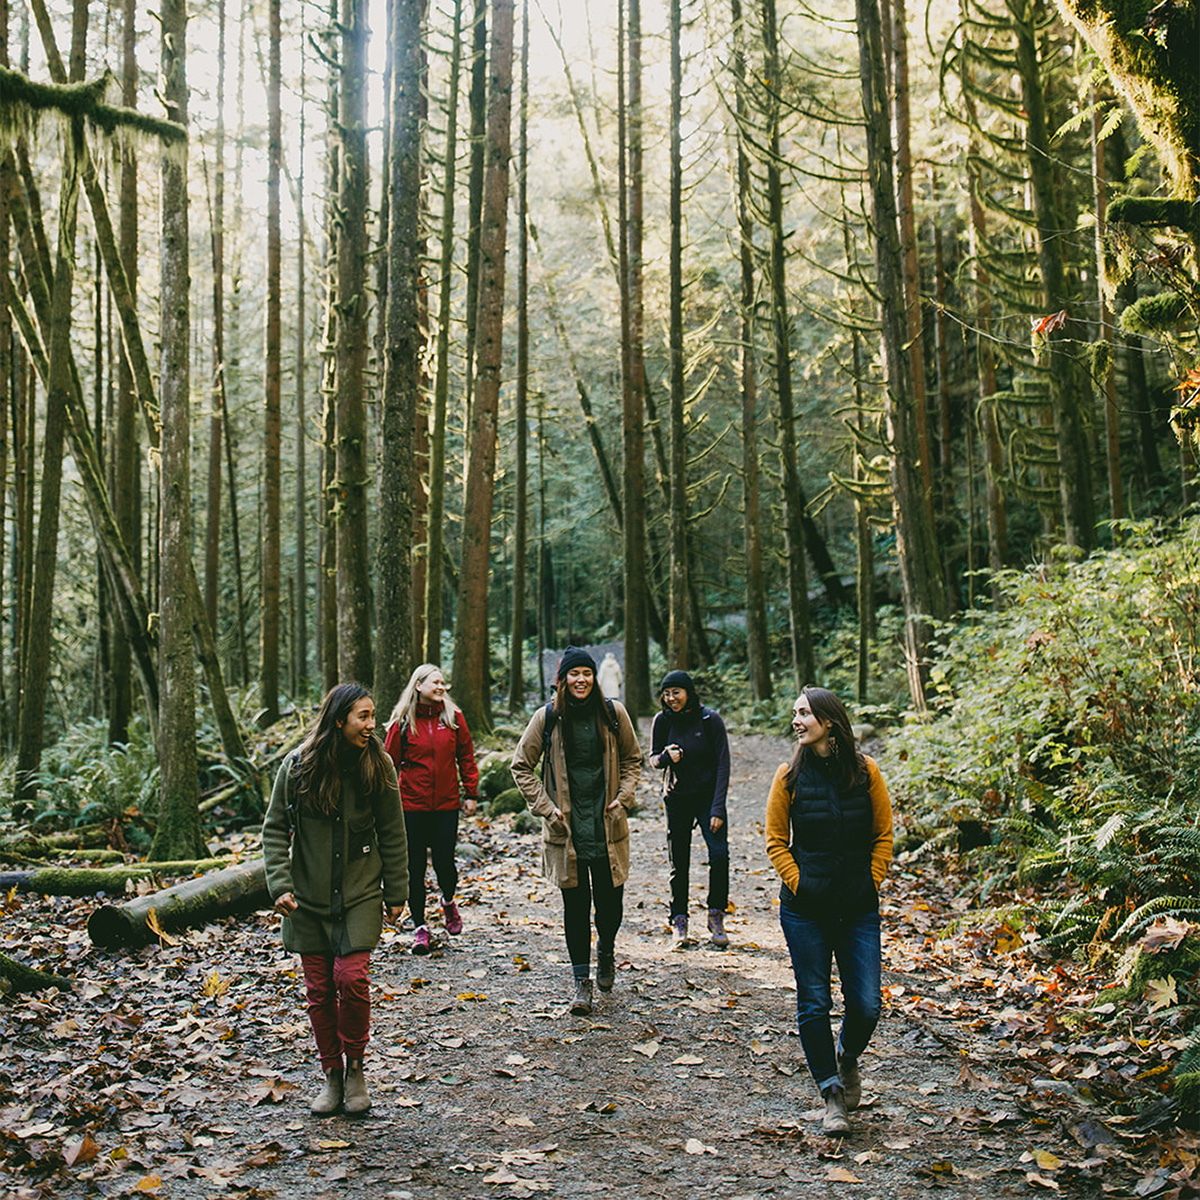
[(436, 834), (595, 885)]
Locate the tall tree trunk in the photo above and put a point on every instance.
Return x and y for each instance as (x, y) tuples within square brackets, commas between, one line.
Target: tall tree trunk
[(178, 832), (908, 242), (758, 655), (35, 685), (403, 353), (921, 582), (803, 660), (471, 626), (516, 649), (327, 589), (9, 366), (1112, 414), (637, 668), (212, 536), (1066, 375), (268, 600), (300, 648), (435, 520), (677, 634), (353, 580), (477, 102)]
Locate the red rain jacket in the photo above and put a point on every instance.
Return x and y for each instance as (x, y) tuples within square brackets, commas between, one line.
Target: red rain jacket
[(430, 759)]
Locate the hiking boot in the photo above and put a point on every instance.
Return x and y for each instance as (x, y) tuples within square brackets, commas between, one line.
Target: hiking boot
[(329, 1099), (716, 928), (581, 1006), (835, 1120), (421, 940), (453, 920), (848, 1073), (606, 972), (356, 1098), (679, 933)]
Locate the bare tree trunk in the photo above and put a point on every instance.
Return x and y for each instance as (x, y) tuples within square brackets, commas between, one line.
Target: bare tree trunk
[(268, 600), (921, 582), (9, 366), (478, 108), (908, 243), (758, 656), (677, 634), (470, 626), (178, 833), (300, 648), (353, 580), (403, 353), (803, 661), (434, 578), (516, 651), (212, 537)]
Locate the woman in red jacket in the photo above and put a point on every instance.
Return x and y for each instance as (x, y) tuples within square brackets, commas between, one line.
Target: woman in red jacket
[(428, 740)]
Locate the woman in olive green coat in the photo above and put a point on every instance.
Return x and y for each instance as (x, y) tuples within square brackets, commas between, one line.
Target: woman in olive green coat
[(336, 862)]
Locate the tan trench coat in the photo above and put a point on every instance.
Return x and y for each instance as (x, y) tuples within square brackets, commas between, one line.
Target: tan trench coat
[(622, 770)]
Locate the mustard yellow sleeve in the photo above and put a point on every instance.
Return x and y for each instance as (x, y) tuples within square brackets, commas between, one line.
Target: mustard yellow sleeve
[(779, 830), (881, 822)]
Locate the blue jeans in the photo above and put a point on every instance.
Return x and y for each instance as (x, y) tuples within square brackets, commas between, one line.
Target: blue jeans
[(814, 944)]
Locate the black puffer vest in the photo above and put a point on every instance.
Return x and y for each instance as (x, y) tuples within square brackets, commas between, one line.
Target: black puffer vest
[(831, 843)]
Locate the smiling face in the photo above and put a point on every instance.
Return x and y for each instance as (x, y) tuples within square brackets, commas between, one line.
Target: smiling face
[(580, 681), (432, 689), (809, 729), (675, 698), (359, 725)]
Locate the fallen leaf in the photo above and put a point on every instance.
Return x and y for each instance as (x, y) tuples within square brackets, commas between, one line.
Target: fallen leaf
[(687, 1060), (148, 1183), (214, 985), (1041, 1181), (1161, 993), (841, 1175), (649, 1049), (81, 1150), (159, 932), (696, 1146), (333, 1144)]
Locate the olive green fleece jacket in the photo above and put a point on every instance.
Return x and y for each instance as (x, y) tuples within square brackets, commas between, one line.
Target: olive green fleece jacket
[(622, 770), (342, 869)]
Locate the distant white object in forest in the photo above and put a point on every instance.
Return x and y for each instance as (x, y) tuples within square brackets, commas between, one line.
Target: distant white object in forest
[(610, 677)]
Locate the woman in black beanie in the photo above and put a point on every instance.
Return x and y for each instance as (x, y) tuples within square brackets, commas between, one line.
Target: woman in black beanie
[(689, 744), (592, 765)]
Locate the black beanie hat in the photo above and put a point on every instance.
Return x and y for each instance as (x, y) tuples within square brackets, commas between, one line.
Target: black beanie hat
[(679, 679), (574, 656)]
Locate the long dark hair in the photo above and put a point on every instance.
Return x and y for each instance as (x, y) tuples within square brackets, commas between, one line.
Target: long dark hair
[(593, 706), (849, 764), (319, 769)]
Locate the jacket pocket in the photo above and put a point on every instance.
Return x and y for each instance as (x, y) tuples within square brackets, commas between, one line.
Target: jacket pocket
[(554, 831), (618, 824), (361, 838)]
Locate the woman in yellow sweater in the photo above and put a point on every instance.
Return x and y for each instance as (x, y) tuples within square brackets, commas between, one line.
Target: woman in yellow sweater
[(829, 836)]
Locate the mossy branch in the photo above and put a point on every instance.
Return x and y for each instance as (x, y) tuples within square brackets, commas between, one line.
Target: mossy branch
[(19, 96), (1149, 210)]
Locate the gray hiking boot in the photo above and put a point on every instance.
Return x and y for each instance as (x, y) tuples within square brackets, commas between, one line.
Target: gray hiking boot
[(357, 1099), (835, 1120), (581, 1006), (851, 1079)]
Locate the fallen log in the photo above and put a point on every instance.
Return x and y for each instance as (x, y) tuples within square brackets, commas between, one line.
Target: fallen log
[(52, 844), (240, 888), (87, 881), (22, 978)]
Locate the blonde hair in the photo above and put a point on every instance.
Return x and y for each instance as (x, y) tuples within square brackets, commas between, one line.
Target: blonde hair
[(406, 707)]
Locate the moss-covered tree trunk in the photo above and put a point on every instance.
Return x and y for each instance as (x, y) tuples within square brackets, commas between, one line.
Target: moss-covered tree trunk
[(178, 832)]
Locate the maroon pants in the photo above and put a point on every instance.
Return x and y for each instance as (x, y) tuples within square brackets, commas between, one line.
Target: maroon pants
[(339, 1005)]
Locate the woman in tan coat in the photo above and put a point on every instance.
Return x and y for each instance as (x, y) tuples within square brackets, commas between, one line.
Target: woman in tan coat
[(592, 765)]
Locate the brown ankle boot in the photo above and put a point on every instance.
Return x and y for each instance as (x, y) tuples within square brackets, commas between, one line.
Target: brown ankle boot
[(329, 1099), (356, 1098)]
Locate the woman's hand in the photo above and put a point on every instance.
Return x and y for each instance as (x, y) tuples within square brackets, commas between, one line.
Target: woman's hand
[(674, 752), (393, 912), (469, 805), (614, 805), (715, 824), (286, 904)]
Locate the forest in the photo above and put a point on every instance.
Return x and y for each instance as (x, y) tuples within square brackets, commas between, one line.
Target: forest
[(777, 340)]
